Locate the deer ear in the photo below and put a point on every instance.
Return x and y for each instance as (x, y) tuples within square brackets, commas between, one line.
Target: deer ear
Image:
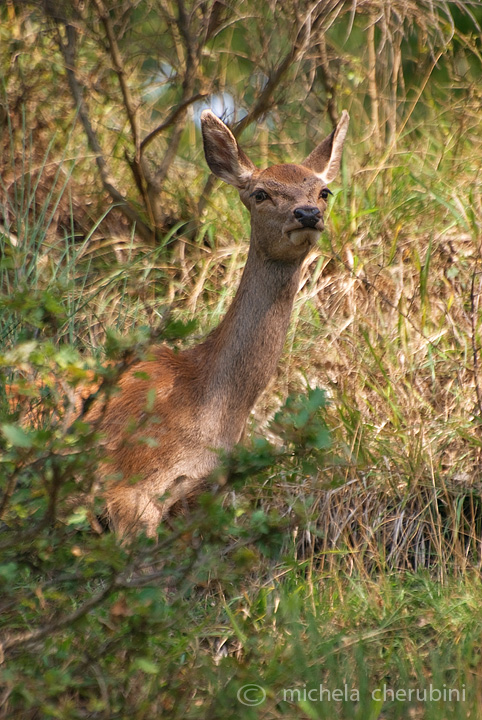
[(326, 157), (223, 154)]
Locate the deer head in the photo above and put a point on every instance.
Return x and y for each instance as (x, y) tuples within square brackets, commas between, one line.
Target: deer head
[(286, 202)]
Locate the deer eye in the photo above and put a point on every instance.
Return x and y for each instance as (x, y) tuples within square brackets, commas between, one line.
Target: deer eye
[(260, 195), (324, 193)]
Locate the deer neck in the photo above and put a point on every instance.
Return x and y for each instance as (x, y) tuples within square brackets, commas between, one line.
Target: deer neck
[(241, 354)]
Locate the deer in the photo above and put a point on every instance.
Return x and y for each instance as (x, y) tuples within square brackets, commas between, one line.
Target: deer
[(175, 412)]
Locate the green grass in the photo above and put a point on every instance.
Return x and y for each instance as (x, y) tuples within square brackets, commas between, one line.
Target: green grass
[(302, 644)]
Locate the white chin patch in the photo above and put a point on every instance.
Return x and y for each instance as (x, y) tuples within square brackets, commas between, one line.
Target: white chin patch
[(305, 236)]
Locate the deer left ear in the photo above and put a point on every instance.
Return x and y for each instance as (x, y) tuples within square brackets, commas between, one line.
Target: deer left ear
[(326, 157), (223, 154)]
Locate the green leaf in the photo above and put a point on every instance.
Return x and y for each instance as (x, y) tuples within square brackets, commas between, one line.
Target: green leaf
[(146, 666), (78, 517), (9, 572), (177, 329), (16, 435)]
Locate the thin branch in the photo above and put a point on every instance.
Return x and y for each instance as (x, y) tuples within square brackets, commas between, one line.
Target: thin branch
[(140, 170), (301, 44), (185, 31), (13, 641), (68, 50), (189, 47), (119, 68), (171, 119), (9, 490)]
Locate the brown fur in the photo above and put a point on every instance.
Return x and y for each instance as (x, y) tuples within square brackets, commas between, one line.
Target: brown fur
[(174, 412)]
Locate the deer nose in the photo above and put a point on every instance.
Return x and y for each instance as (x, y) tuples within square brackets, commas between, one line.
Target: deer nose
[(307, 215)]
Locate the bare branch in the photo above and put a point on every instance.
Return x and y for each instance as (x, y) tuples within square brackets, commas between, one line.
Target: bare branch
[(140, 171), (299, 47), (119, 68), (191, 50), (13, 641), (68, 50), (171, 119)]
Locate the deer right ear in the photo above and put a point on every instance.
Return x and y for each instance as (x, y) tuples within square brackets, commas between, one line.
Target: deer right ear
[(325, 159), (223, 154)]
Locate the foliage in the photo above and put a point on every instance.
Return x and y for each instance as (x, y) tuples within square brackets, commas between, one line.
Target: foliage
[(340, 545)]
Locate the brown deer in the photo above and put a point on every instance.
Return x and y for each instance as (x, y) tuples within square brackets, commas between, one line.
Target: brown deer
[(174, 412)]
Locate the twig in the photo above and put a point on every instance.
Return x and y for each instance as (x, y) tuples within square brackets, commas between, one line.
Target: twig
[(118, 64), (171, 119), (140, 171), (9, 490), (13, 641), (68, 50), (191, 50)]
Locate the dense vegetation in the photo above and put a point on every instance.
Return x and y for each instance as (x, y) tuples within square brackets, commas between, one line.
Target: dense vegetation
[(340, 563)]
